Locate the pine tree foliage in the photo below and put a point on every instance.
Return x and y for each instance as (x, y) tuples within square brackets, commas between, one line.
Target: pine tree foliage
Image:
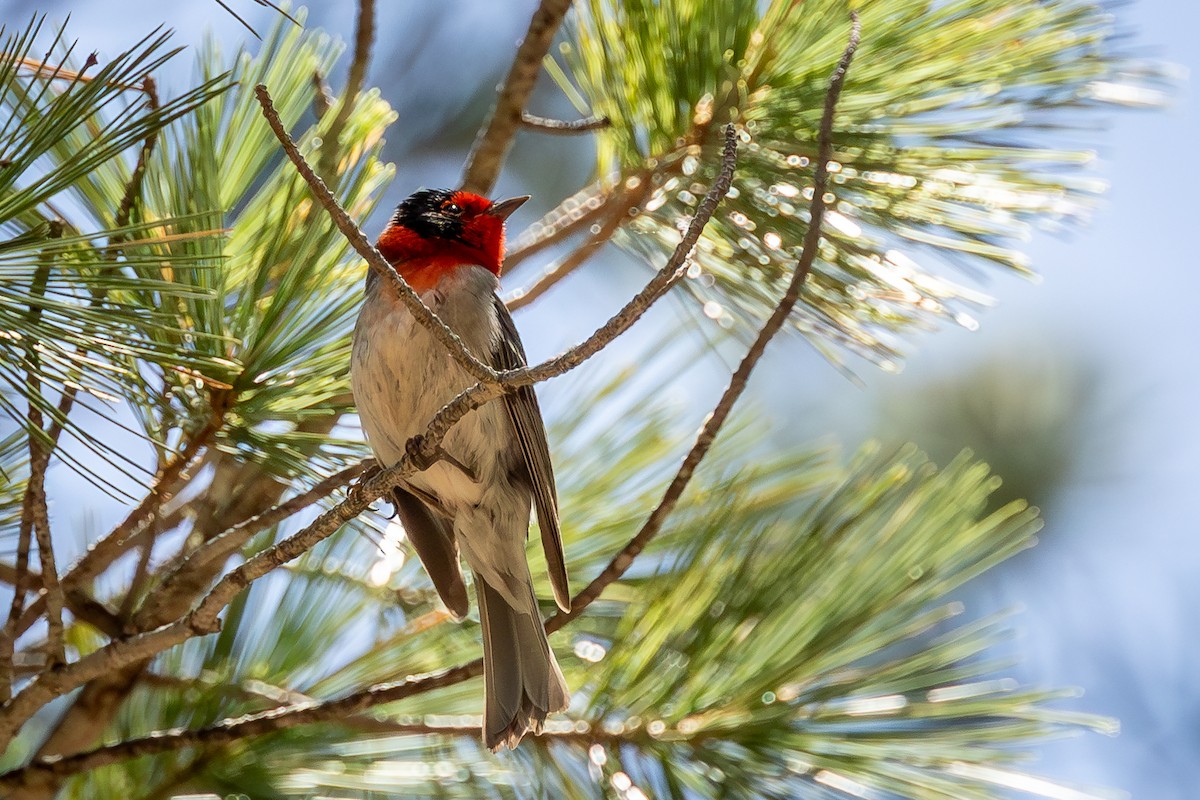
[(792, 631), (963, 124), (66, 315)]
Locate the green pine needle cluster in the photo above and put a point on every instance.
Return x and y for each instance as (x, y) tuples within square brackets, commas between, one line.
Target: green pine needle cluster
[(961, 126)]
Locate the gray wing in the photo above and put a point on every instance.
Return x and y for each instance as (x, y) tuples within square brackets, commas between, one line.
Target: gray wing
[(435, 546), (526, 420)]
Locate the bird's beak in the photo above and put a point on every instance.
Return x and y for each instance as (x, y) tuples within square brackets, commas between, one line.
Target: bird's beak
[(505, 207)]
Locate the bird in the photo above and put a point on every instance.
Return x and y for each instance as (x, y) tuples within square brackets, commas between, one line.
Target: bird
[(492, 467)]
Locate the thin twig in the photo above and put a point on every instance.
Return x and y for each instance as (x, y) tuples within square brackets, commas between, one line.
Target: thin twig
[(203, 618), (737, 382), (563, 127), (8, 641), (27, 578), (634, 192), (495, 138), (34, 512), (582, 208), (363, 37), (426, 318), (39, 517), (133, 189)]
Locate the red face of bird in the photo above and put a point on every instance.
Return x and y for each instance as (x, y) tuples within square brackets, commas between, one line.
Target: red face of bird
[(437, 230)]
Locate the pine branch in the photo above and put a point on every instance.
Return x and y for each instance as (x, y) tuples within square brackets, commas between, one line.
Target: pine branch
[(125, 535), (203, 618), (491, 147)]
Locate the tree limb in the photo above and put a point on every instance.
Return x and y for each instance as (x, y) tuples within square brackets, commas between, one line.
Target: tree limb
[(495, 138)]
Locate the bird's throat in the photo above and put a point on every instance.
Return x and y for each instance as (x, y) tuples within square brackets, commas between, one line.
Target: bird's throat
[(424, 262)]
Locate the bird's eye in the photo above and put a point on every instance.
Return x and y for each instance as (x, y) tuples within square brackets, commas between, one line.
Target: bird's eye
[(452, 208)]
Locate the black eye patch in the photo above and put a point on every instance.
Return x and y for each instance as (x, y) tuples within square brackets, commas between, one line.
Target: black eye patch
[(431, 213)]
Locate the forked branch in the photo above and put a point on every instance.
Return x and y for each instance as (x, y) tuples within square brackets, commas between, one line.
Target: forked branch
[(204, 617), (251, 725)]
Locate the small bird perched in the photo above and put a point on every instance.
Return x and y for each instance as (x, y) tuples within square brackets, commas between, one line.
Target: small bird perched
[(493, 464)]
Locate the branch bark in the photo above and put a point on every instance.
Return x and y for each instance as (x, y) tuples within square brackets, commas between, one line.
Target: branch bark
[(495, 138)]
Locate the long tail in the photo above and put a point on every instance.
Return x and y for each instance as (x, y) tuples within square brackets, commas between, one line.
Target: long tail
[(522, 681)]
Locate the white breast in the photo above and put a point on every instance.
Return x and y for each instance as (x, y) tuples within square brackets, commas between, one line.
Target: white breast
[(401, 377)]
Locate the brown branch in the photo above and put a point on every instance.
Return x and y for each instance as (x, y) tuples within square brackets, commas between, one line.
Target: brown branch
[(118, 541), (8, 640), (495, 138), (35, 514), (27, 579), (133, 188), (426, 318), (203, 618), (563, 127), (225, 544), (363, 37)]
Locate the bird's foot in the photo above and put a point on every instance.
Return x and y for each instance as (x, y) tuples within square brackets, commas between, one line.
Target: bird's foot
[(371, 468), (415, 448)]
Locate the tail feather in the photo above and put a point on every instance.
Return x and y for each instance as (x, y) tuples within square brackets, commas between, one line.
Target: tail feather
[(522, 681)]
